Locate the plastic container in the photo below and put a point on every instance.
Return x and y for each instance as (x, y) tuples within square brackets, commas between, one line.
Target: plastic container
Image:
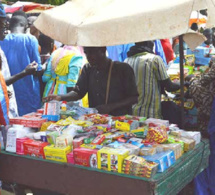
[(16, 131), (63, 106)]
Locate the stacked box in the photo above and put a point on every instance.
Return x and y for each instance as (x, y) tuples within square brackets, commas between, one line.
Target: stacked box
[(111, 159), (57, 154), (138, 166), (164, 159)]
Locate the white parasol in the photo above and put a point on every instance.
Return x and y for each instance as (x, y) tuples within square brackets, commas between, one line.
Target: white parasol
[(112, 22)]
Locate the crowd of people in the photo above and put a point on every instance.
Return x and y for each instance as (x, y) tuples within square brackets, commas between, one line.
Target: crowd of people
[(118, 80)]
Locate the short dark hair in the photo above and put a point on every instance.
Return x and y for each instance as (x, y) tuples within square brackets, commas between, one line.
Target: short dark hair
[(18, 21), (19, 13), (46, 42)]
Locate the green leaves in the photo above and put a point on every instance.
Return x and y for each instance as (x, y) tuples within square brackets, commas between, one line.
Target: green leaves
[(52, 2)]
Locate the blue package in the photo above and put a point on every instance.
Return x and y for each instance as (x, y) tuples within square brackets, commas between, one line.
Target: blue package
[(171, 158), (139, 145), (161, 159), (200, 51), (202, 61)]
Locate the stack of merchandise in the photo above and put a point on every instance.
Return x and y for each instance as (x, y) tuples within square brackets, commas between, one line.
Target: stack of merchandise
[(126, 144)]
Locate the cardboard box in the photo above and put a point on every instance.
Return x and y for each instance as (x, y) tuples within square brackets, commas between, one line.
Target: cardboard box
[(127, 125), (111, 159), (57, 154), (34, 148), (85, 157)]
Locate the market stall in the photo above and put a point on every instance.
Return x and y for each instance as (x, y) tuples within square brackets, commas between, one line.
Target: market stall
[(87, 24), (73, 179)]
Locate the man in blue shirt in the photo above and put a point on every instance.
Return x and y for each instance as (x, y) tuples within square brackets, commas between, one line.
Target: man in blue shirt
[(21, 49)]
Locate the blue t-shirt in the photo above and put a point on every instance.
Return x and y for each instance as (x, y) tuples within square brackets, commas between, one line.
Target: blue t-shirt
[(20, 50)]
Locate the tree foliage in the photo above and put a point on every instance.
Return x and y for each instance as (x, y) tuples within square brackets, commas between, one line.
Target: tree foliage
[(52, 2)]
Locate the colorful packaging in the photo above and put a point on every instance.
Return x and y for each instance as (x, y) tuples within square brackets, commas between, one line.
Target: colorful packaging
[(189, 144), (77, 142), (34, 148), (111, 159), (147, 151), (70, 158), (174, 147), (173, 140), (45, 126), (138, 166), (157, 134), (126, 125), (52, 136), (161, 159), (195, 135), (190, 60), (28, 122), (133, 150), (85, 157), (63, 141), (20, 145), (57, 154), (98, 140)]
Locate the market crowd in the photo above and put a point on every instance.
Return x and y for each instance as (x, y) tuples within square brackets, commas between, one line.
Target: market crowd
[(116, 80)]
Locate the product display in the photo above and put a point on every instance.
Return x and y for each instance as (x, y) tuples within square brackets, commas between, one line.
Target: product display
[(125, 144)]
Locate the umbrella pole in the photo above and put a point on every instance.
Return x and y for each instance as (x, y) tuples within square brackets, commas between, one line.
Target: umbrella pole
[(181, 50)]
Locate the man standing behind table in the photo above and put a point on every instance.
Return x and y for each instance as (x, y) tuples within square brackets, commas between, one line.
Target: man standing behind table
[(21, 49), (94, 81), (151, 78)]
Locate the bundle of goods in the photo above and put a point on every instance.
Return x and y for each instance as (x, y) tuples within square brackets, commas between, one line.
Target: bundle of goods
[(125, 144)]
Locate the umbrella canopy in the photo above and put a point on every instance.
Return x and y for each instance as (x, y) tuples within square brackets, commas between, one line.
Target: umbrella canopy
[(112, 22)]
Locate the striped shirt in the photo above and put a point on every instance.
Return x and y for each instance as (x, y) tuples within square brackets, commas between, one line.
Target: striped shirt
[(149, 69)]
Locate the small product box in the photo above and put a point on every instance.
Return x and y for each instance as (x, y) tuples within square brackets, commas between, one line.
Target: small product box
[(127, 125), (85, 157), (20, 145), (111, 159), (63, 141), (57, 154), (138, 166), (161, 159), (77, 142), (70, 158), (34, 148)]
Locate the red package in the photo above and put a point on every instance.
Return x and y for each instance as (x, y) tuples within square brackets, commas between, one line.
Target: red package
[(77, 142), (98, 140), (34, 148), (85, 157)]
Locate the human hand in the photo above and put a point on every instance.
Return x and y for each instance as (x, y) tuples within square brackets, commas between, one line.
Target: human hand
[(52, 97), (31, 68), (10, 94), (104, 109)]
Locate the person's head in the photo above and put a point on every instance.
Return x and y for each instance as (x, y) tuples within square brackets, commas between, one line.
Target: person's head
[(2, 22), (208, 33), (31, 20), (95, 55), (18, 24), (148, 45), (194, 26), (46, 43), (20, 13)]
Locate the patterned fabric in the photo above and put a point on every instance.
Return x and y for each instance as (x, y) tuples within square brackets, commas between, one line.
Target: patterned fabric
[(4, 102), (62, 71), (202, 90), (13, 111), (149, 69)]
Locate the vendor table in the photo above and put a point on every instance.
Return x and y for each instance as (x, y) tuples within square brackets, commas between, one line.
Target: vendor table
[(78, 180)]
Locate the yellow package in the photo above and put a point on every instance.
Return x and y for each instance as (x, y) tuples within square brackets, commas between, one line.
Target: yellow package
[(64, 141), (57, 154), (111, 159), (126, 126), (45, 126)]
